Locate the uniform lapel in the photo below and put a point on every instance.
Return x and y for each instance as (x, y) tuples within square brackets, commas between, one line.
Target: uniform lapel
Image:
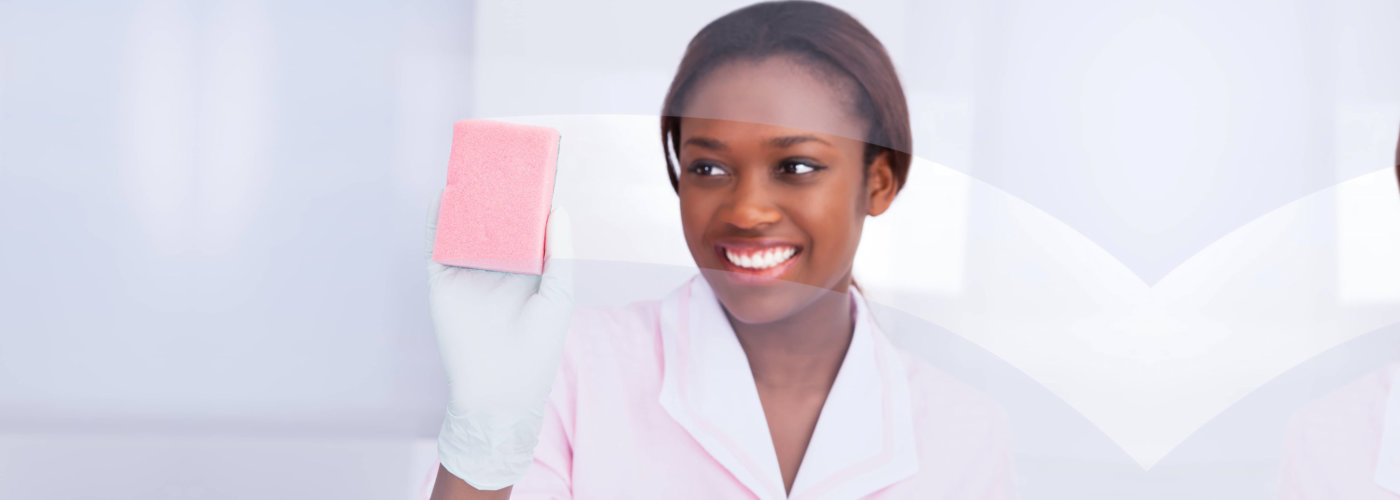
[(708, 388), (864, 438)]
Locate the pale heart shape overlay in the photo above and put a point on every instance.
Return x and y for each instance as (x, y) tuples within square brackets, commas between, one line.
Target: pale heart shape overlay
[(1146, 364)]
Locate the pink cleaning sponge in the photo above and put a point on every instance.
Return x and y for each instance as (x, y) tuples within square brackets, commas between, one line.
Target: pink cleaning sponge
[(500, 181)]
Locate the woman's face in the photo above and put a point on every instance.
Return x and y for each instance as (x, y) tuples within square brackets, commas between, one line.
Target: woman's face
[(773, 186)]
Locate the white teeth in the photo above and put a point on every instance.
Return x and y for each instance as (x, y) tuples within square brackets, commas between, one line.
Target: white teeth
[(762, 259)]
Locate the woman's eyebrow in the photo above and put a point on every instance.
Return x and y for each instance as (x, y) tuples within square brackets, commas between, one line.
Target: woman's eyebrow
[(706, 143), (792, 140)]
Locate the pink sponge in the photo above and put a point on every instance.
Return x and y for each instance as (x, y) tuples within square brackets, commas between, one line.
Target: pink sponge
[(500, 181)]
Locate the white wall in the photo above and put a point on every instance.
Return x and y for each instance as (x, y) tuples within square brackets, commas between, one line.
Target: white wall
[(212, 213)]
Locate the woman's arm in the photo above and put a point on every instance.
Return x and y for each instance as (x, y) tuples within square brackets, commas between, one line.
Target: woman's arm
[(450, 487)]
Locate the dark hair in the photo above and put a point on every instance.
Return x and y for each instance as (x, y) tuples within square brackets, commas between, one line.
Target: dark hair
[(825, 38)]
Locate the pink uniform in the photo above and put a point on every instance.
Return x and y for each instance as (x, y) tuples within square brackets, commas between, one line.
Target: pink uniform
[(656, 400), (1346, 445)]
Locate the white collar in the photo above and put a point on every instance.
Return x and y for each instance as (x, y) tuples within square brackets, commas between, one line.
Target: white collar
[(864, 438), (1388, 461)]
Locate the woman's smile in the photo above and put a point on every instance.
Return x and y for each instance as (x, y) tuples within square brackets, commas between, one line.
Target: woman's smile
[(756, 261)]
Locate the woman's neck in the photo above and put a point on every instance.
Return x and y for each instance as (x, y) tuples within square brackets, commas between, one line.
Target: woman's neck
[(803, 351)]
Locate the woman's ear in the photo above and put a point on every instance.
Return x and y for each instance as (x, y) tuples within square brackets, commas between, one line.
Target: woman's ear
[(880, 184)]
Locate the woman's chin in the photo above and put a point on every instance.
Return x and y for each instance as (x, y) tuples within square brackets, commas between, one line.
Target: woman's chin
[(767, 301)]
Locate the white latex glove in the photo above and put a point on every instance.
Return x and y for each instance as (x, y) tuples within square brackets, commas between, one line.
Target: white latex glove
[(501, 336)]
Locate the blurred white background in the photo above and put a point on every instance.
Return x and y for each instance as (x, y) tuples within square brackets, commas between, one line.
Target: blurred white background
[(211, 275)]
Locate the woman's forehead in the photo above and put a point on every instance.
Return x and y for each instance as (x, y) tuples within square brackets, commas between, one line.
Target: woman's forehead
[(715, 134), (779, 93)]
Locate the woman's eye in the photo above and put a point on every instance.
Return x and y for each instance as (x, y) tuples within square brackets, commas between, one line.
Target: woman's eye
[(799, 167), (706, 169)]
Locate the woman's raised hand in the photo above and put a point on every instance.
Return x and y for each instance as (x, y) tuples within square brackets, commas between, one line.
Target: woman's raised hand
[(501, 336)]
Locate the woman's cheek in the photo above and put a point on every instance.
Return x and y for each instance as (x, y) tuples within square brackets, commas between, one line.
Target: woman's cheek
[(695, 222)]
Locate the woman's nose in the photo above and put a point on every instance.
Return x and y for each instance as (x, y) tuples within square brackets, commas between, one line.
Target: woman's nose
[(750, 205)]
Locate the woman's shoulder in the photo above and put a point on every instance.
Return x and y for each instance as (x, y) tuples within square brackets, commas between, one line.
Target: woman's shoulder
[(938, 396), (1357, 407), (615, 330), (956, 425), (1334, 443)]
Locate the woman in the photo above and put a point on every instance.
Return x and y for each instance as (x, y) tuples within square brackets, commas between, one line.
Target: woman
[(765, 376)]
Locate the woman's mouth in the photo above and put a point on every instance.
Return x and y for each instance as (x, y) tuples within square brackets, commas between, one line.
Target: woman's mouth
[(762, 259), (757, 261)]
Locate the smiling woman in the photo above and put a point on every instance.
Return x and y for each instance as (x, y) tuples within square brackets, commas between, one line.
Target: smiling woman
[(750, 187), (766, 376)]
